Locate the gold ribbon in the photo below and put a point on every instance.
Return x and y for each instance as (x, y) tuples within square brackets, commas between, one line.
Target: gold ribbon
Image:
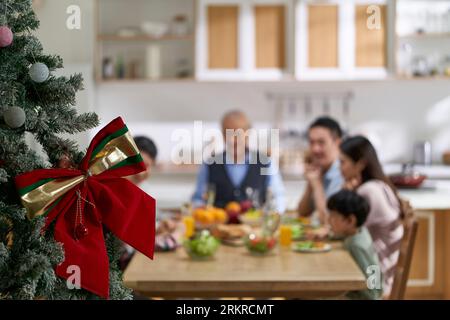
[(115, 151)]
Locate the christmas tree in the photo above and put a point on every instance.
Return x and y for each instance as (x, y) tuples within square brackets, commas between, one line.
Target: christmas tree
[(34, 102)]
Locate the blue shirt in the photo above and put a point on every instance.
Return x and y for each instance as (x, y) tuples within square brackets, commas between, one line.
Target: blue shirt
[(237, 174), (332, 179)]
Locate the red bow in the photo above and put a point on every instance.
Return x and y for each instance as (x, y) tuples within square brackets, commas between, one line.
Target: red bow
[(98, 192)]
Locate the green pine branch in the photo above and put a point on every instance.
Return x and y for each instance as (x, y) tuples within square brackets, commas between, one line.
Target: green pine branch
[(28, 258)]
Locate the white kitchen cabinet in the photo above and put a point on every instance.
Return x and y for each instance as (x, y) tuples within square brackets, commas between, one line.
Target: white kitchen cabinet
[(341, 39), (303, 39), (244, 39)]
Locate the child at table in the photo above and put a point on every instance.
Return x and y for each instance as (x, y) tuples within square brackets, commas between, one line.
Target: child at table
[(168, 230), (348, 212)]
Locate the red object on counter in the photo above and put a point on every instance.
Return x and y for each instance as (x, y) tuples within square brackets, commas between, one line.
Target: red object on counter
[(408, 181)]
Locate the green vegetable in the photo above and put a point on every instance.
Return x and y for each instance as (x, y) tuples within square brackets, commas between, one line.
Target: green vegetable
[(297, 231), (203, 245), (305, 245)]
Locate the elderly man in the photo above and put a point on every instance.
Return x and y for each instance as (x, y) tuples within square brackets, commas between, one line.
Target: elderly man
[(238, 170)]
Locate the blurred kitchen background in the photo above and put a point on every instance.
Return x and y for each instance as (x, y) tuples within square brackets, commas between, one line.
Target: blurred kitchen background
[(382, 71), (381, 67)]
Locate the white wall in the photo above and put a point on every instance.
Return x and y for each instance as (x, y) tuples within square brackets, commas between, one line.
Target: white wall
[(76, 47)]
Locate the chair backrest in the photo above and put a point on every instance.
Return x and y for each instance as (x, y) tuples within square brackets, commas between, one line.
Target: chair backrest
[(406, 251)]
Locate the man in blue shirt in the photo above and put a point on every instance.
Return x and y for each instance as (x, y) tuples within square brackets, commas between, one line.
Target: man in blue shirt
[(238, 170), (322, 168)]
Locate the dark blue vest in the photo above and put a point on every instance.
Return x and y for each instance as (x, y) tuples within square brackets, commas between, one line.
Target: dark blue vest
[(227, 192)]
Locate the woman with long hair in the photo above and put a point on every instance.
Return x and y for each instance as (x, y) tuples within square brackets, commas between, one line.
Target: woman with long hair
[(363, 173)]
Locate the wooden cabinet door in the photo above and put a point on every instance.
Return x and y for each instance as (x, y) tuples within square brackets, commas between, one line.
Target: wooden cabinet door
[(370, 41), (270, 35), (428, 268), (323, 36), (222, 36)]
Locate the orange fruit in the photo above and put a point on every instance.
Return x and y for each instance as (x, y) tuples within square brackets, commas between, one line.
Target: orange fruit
[(233, 207), (220, 215), (199, 214), (209, 217)]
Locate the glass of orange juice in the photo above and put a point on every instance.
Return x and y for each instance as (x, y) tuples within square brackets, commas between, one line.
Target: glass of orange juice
[(189, 224), (285, 235)]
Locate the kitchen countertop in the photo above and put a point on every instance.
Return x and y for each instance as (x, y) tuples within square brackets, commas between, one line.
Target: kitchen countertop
[(434, 172), (433, 195), (172, 191)]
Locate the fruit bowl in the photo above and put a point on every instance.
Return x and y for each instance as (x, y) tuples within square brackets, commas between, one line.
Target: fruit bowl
[(259, 244), (233, 210), (202, 247), (252, 218), (206, 218)]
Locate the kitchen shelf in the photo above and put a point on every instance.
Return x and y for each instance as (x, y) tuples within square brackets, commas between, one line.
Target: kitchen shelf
[(143, 38), (424, 35), (439, 77), (194, 80), (145, 80), (152, 58)]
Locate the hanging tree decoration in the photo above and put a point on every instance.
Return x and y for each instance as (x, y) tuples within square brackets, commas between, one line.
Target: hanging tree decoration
[(39, 72), (14, 117), (6, 35)]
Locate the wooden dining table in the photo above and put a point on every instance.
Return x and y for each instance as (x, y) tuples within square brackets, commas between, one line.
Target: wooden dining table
[(234, 272)]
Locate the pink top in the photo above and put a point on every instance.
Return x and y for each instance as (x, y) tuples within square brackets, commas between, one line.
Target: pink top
[(384, 226)]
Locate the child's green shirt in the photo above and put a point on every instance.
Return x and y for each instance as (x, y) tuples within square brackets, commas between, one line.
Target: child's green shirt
[(361, 248)]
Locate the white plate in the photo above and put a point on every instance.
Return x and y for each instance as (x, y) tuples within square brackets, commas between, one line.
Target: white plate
[(326, 248)]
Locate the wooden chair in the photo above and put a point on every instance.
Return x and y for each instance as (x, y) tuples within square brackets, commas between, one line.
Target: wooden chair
[(406, 251)]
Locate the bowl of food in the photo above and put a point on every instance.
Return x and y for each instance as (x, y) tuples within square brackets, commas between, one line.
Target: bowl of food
[(231, 234), (298, 231), (408, 178), (260, 245), (202, 246), (252, 218), (311, 246)]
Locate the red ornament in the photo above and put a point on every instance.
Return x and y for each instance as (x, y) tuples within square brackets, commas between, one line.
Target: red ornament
[(6, 37), (81, 231), (65, 162)]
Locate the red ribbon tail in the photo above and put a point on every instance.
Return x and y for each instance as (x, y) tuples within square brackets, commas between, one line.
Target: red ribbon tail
[(86, 260), (129, 213)]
